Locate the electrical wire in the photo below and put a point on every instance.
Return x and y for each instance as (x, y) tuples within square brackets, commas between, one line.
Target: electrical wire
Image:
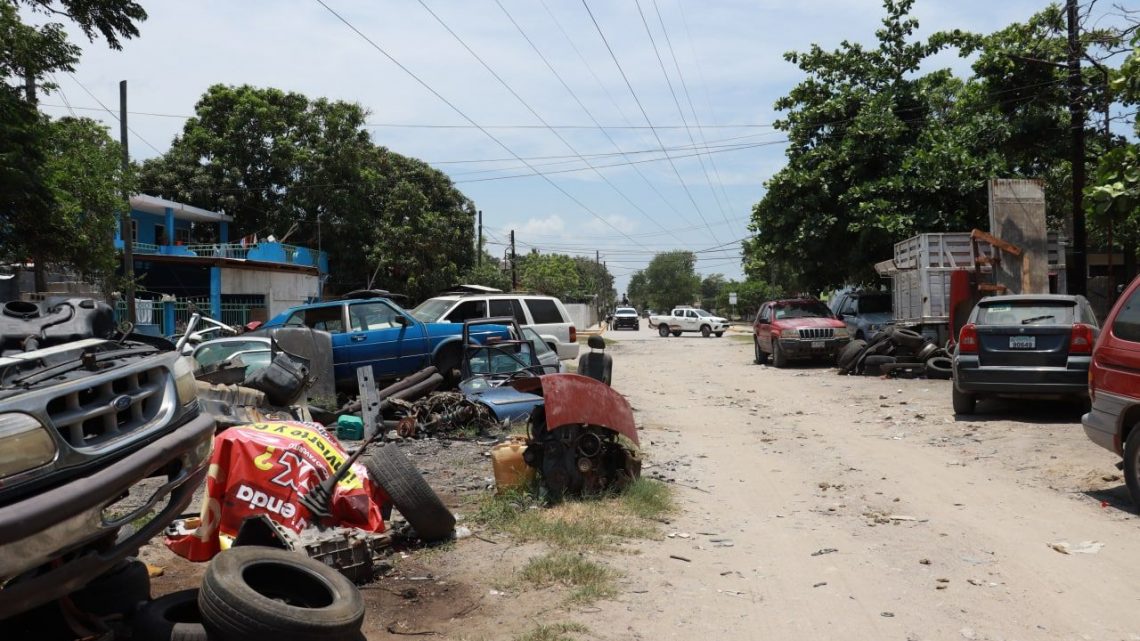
[(113, 114)]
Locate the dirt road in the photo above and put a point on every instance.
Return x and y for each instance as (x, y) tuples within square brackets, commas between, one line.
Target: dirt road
[(824, 507)]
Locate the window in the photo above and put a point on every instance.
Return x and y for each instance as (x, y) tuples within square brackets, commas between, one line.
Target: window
[(468, 309), (544, 311), (1127, 323), (540, 347), (691, 314), (182, 236), (326, 319), (364, 317), (848, 306), (876, 304), (134, 231), (1027, 313), (803, 309), (160, 234), (508, 307), (432, 309)]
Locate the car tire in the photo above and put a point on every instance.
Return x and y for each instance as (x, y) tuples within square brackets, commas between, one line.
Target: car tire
[(172, 617), (120, 590), (676, 333), (718, 334), (907, 338), (872, 364), (410, 493), (882, 335), (255, 592), (663, 330), (1132, 466), (939, 367), (761, 357), (447, 363), (779, 359), (849, 355), (706, 331), (964, 403)]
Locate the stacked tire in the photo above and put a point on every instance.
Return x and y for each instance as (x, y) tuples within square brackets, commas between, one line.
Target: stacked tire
[(895, 351)]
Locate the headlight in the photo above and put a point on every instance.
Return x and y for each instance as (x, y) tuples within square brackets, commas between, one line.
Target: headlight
[(841, 332), (24, 444), (184, 383)]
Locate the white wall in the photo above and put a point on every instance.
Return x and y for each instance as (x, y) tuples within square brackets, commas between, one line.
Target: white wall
[(281, 289), (581, 314)]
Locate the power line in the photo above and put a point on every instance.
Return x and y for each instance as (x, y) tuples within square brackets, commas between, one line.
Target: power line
[(459, 111), (113, 114), (539, 116), (647, 119)]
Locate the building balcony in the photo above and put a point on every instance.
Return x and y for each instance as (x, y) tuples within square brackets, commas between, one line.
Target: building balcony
[(265, 252)]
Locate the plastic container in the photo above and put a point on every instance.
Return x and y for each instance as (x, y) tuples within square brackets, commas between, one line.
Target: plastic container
[(349, 428), (511, 471)]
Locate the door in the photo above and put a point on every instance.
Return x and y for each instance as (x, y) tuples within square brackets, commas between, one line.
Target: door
[(692, 321), (1118, 352), (377, 337), (509, 307), (329, 318), (764, 328)]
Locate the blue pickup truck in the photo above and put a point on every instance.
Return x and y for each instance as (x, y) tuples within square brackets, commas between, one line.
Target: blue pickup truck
[(380, 333)]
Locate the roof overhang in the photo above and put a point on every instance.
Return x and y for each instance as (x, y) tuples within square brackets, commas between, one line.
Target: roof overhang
[(182, 211)]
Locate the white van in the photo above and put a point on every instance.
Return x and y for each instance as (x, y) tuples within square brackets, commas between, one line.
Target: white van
[(544, 314)]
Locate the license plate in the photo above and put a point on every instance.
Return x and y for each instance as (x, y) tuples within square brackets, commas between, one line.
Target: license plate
[(817, 344), (1023, 342)]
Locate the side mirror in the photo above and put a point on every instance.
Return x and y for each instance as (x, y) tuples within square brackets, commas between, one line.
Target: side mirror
[(187, 349), (401, 320)]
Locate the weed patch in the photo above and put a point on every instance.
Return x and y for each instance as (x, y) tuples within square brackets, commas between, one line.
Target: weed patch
[(553, 632), (588, 579)]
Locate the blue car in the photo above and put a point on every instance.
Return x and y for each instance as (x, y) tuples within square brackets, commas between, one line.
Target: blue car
[(380, 333)]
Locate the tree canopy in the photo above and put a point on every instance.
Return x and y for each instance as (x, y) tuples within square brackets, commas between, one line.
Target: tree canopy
[(669, 280)]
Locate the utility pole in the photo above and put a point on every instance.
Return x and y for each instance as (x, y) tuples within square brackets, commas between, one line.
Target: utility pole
[(40, 269), (30, 86), (479, 248), (125, 215), (1078, 272), (514, 270), (597, 256)]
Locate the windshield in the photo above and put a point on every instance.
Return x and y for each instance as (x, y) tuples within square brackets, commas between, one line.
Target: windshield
[(216, 352), (803, 309), (625, 311), (1027, 313), (432, 309), (874, 304)]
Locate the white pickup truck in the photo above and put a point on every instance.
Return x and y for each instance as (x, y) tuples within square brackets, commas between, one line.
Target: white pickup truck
[(688, 319)]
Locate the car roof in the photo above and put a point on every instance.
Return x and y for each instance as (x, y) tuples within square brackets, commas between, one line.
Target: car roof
[(1060, 298)]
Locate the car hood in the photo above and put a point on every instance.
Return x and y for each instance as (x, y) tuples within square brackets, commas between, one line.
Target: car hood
[(625, 315), (798, 323)]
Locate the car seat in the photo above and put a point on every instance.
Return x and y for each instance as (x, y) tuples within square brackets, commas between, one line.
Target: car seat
[(597, 365)]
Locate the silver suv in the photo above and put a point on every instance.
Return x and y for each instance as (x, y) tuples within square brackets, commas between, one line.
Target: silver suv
[(544, 314)]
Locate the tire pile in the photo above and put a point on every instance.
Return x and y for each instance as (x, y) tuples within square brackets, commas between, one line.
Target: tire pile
[(895, 352)]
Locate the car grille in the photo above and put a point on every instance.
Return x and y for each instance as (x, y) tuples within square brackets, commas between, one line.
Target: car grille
[(91, 416), (816, 333)]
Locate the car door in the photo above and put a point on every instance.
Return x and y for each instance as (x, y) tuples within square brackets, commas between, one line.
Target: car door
[(766, 328), (384, 337), (692, 320), (849, 313), (331, 319)]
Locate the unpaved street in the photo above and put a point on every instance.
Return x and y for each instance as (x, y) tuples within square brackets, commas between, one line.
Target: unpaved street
[(816, 506)]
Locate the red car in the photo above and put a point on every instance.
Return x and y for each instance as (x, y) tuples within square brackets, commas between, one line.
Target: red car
[(1114, 387), (797, 328)]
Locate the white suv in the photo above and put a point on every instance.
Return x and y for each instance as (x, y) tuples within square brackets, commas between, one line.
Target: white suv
[(544, 314)]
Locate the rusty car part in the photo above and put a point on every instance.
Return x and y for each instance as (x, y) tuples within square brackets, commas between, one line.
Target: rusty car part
[(353, 552), (583, 437)]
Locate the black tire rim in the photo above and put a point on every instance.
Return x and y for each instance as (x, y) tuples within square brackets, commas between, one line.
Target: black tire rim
[(663, 331), (289, 585)]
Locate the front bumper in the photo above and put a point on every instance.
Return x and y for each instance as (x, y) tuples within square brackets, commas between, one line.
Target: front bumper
[(1102, 423), (627, 321), (808, 348), (970, 377), (67, 523)]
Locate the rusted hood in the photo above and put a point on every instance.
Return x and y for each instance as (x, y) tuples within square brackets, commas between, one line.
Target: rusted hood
[(574, 399)]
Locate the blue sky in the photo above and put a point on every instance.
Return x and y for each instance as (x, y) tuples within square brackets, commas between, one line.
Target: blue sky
[(729, 54)]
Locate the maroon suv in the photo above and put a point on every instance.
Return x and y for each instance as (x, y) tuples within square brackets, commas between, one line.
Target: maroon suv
[(797, 328)]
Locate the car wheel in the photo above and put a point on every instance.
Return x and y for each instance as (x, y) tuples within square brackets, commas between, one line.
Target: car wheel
[(778, 357), (761, 357), (255, 592), (963, 402), (849, 355), (447, 364), (706, 331), (1132, 465), (676, 333), (173, 617), (719, 334), (410, 493), (663, 330)]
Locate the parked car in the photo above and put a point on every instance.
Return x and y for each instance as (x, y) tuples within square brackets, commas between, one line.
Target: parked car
[(626, 317), (545, 314), (1024, 345), (380, 333), (866, 312), (797, 328), (689, 319), (1114, 387), (86, 417)]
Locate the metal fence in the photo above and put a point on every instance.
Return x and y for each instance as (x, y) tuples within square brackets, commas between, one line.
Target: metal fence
[(235, 310)]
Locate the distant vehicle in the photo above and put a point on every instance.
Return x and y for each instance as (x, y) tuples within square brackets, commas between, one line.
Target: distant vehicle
[(688, 319), (1028, 344), (866, 312), (1114, 387), (545, 314), (380, 333), (797, 328), (647, 313), (626, 317)]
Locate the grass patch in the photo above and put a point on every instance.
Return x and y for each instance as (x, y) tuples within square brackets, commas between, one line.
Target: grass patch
[(740, 338), (589, 580), (586, 524), (553, 632)]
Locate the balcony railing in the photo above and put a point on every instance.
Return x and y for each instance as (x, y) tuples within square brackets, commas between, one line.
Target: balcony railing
[(261, 252)]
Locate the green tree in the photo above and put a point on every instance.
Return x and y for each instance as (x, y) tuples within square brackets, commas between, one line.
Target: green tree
[(710, 289), (551, 274), (638, 290), (671, 279), (489, 273)]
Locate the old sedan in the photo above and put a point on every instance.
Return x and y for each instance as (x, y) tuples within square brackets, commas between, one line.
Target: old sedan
[(1024, 345)]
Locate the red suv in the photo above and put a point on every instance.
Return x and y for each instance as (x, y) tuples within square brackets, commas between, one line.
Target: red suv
[(797, 328), (1114, 387)]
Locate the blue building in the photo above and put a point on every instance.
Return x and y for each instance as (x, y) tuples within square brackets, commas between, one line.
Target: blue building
[(186, 261)]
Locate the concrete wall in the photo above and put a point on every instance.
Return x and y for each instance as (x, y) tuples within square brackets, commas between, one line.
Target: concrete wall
[(582, 315), (282, 290)]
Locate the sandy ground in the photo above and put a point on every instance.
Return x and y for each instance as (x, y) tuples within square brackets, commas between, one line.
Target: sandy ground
[(813, 506)]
